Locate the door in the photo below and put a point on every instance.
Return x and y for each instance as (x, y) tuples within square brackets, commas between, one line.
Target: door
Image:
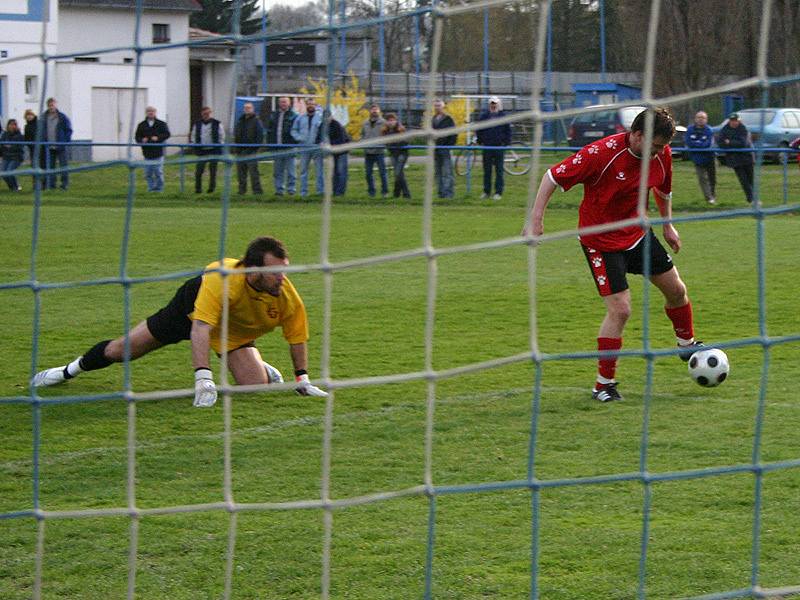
[(111, 119)]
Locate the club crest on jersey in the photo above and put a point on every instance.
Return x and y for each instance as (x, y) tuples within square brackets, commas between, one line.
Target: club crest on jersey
[(577, 160), (621, 176)]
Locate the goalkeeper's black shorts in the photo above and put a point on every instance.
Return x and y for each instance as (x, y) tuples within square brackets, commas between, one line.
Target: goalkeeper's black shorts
[(171, 324)]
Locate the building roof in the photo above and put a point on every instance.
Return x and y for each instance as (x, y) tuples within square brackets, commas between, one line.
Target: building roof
[(163, 5)]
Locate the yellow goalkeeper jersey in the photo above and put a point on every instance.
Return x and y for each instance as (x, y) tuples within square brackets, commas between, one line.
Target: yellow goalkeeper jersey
[(251, 313)]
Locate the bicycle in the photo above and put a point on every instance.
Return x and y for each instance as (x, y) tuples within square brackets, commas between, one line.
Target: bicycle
[(516, 161)]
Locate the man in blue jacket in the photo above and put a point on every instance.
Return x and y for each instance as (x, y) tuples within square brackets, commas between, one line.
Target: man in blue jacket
[(699, 135), (306, 132), (57, 132), (499, 135)]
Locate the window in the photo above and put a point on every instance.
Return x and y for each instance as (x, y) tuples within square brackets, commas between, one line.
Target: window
[(31, 88), (160, 33), (86, 59), (127, 61), (790, 121)]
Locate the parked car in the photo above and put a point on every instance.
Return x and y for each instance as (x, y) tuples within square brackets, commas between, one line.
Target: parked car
[(771, 127), (591, 126)]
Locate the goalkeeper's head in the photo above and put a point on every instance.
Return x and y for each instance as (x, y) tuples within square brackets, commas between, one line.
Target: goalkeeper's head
[(663, 130), (266, 252)]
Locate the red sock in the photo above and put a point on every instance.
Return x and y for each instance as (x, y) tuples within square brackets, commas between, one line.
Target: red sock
[(607, 367), (681, 318)]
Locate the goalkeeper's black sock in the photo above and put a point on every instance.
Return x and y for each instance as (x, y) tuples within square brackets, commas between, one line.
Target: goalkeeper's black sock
[(95, 358)]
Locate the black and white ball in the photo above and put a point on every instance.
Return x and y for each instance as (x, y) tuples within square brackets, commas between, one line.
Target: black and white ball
[(710, 367)]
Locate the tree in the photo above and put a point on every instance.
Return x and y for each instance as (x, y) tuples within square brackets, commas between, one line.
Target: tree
[(283, 17), (217, 16)]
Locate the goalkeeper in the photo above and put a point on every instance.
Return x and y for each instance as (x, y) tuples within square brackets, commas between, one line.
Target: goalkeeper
[(257, 304)]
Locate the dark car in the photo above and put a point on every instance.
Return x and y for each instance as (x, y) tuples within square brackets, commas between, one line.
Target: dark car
[(591, 126)]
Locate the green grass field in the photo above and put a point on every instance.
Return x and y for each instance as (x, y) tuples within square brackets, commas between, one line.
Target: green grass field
[(590, 535)]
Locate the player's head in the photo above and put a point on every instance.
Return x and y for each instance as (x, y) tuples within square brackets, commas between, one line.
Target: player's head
[(663, 130), (266, 252)]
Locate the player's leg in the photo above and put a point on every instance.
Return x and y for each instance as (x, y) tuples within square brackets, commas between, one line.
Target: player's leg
[(248, 368), (101, 355), (609, 274)]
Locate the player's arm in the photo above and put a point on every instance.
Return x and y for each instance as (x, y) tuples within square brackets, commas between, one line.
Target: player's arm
[(664, 202), (205, 392), (535, 225), (299, 354)]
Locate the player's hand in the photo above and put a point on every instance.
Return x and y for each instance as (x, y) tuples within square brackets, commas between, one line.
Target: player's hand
[(205, 392), (304, 388), (672, 238), (535, 227)]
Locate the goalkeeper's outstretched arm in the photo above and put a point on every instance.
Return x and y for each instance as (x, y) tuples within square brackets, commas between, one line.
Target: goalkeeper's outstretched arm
[(205, 392), (299, 354)]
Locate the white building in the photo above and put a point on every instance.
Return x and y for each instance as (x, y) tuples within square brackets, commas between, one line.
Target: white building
[(94, 74)]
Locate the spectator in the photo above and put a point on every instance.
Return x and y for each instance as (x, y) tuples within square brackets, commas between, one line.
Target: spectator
[(249, 131), (735, 135), (279, 131), (30, 134), (13, 154), (209, 134), (153, 132), (337, 135), (443, 162), (373, 155), (306, 132), (499, 135), (57, 132), (699, 135), (398, 151)]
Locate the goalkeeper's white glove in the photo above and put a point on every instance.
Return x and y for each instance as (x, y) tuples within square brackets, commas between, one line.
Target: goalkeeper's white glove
[(205, 392), (304, 387)]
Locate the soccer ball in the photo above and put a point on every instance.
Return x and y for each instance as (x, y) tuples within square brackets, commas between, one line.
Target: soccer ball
[(709, 368)]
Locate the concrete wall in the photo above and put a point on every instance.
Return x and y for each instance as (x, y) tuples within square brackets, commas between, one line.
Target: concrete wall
[(21, 24), (83, 31)]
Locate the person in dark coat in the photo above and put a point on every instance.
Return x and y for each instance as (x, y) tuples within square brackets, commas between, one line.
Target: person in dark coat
[(153, 132), (443, 162), (12, 153), (338, 135), (735, 135), (279, 132), (398, 152), (57, 131), (208, 133), (248, 131), (30, 134), (493, 157)]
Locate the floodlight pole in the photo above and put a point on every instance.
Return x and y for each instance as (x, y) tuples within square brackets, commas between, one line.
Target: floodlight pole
[(602, 41), (486, 47), (416, 55), (343, 37), (381, 50)]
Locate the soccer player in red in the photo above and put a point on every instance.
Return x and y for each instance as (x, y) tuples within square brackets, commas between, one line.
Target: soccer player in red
[(610, 171)]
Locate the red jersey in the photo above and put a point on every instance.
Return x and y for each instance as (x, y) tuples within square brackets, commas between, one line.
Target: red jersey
[(610, 175)]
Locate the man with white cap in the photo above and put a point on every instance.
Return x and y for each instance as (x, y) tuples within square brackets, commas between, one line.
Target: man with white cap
[(493, 155)]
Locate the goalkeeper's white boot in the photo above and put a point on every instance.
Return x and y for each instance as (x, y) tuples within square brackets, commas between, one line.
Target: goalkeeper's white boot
[(273, 375), (49, 377)]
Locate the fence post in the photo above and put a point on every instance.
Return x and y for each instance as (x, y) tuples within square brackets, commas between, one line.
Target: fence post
[(785, 161)]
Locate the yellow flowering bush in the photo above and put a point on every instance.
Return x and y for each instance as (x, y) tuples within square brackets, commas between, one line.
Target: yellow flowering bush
[(457, 108), (351, 96)]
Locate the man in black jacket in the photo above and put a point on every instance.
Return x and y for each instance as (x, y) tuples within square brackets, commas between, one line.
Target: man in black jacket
[(208, 133), (443, 163), (279, 131), (735, 135), (493, 157), (152, 133), (250, 132)]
